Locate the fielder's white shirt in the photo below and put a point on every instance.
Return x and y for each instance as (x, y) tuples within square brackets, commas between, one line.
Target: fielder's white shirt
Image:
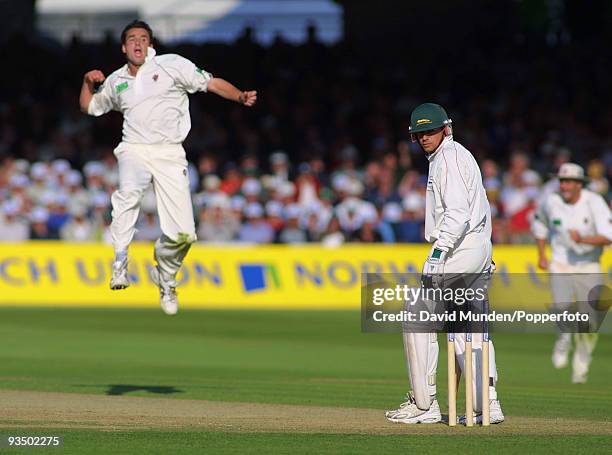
[(590, 215), (154, 103), (456, 203)]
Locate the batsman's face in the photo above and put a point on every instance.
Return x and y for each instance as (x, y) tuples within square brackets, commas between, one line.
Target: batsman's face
[(136, 46), (570, 190), (430, 140)]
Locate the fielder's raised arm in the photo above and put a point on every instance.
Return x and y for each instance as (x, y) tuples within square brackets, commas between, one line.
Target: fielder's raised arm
[(227, 90)]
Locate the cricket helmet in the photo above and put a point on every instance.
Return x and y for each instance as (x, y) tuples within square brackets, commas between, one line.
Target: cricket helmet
[(428, 116)]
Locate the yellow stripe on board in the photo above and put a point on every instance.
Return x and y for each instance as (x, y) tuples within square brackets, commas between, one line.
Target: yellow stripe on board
[(229, 276)]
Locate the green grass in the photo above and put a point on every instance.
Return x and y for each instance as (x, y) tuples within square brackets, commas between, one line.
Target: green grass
[(294, 357), (158, 442)]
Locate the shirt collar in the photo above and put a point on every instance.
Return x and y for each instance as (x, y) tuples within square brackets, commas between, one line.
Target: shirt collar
[(125, 72), (446, 140), (150, 54)]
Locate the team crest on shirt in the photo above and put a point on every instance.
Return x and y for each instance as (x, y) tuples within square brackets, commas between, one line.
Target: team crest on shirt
[(155, 77)]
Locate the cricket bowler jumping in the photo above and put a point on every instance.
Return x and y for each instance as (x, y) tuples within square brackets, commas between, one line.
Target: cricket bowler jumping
[(458, 224), (151, 91)]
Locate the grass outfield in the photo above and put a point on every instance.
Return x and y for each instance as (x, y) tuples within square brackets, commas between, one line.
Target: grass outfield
[(314, 364)]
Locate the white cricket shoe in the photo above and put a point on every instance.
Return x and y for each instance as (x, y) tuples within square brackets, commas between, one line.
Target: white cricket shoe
[(561, 350), (409, 413), (495, 414), (168, 298), (119, 279), (409, 401)]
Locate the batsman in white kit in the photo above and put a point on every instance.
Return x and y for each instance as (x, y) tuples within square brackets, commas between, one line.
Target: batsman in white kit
[(578, 223), (458, 224), (151, 91)]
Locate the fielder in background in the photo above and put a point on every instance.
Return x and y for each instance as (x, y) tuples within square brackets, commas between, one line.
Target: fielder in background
[(458, 224), (152, 94), (579, 224)]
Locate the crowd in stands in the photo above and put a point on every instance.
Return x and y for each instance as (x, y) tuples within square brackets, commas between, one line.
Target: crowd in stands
[(324, 157)]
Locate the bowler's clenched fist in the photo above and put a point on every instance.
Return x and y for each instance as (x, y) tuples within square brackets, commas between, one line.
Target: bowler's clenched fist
[(94, 76), (248, 98)]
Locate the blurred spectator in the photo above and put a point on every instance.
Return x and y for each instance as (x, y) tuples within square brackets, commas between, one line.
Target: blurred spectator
[(58, 214), (232, 180), (12, 227), (274, 213), (315, 219), (38, 224), (255, 229), (367, 234), (597, 182), (292, 233), (249, 165), (410, 226), (251, 189), (307, 186), (217, 224), (333, 236), (279, 165), (78, 228), (148, 228), (208, 165)]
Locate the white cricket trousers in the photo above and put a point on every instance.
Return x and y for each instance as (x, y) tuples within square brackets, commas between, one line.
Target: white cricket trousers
[(164, 166), (472, 256)]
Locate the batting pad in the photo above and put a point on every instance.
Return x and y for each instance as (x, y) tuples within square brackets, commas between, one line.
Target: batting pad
[(421, 350)]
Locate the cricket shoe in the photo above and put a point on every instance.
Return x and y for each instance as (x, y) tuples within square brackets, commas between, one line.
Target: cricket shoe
[(579, 378), (495, 414), (409, 401), (561, 351), (408, 412), (119, 279), (168, 298)]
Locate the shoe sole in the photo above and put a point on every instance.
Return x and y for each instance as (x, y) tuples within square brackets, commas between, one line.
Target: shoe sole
[(560, 365), (412, 422)]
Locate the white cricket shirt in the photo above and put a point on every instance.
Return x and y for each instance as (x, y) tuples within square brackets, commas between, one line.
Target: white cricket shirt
[(590, 215), (154, 103), (456, 203)]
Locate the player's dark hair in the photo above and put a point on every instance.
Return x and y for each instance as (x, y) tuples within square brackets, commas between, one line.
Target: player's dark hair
[(136, 23)]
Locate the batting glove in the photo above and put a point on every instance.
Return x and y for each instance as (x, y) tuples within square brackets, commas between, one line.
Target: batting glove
[(433, 270)]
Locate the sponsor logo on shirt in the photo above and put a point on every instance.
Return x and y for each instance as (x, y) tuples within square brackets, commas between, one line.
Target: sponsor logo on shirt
[(121, 87)]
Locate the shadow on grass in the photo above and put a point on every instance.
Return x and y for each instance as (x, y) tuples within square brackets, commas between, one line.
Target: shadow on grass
[(122, 389)]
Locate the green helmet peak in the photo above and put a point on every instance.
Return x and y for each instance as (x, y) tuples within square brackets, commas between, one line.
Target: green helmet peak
[(428, 116)]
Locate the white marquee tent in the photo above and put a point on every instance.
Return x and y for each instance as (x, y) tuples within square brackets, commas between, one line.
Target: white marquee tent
[(193, 20)]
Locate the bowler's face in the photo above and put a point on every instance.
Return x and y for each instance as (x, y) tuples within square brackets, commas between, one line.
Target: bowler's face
[(136, 45), (430, 140)]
